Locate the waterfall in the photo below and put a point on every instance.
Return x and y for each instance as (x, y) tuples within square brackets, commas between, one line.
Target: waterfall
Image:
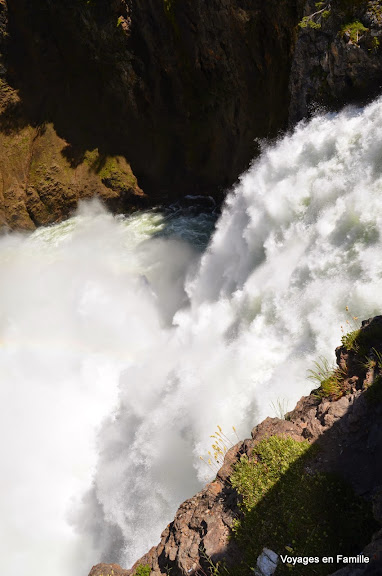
[(122, 349)]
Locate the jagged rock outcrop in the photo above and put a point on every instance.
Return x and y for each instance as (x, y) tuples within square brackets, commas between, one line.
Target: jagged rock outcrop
[(39, 185), (338, 56), (348, 433)]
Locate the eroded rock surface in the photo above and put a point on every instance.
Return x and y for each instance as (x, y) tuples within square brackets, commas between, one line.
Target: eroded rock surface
[(108, 570), (338, 56)]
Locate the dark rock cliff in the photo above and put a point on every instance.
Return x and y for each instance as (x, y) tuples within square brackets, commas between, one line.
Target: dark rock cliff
[(40, 180), (180, 90), (338, 56), (98, 96), (348, 434)]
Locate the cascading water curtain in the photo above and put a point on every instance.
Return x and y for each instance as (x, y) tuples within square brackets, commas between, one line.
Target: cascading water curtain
[(121, 352)]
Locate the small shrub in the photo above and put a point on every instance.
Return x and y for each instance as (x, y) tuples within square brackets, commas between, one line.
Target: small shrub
[(169, 6), (307, 22), (354, 30), (314, 20), (274, 457), (143, 570)]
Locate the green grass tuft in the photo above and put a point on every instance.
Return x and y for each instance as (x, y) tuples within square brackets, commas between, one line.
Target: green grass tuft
[(362, 341), (143, 570), (350, 340), (330, 379)]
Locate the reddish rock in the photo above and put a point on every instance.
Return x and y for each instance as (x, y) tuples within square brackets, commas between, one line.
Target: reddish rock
[(108, 570)]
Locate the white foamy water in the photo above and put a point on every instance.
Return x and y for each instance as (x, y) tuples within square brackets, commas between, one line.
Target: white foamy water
[(121, 354)]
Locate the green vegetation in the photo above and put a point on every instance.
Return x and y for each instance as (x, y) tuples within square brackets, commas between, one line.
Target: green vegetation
[(315, 20), (308, 22), (375, 43), (373, 393), (330, 379), (169, 6), (274, 456), (350, 340), (143, 570), (354, 30), (169, 9), (114, 171), (363, 341), (280, 408), (290, 509), (116, 174), (376, 10), (213, 569)]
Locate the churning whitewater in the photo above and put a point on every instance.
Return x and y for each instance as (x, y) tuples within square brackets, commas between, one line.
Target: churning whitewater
[(122, 349)]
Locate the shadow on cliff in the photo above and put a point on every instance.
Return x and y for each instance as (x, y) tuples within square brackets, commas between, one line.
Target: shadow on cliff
[(301, 499), (182, 94), (323, 504)]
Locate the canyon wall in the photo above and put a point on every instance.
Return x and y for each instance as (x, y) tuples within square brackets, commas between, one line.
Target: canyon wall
[(170, 97), (179, 90)]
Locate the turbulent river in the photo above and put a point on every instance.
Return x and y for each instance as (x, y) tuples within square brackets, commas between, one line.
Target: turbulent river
[(124, 342)]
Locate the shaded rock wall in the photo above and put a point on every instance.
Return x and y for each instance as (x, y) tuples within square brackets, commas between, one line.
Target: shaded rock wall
[(179, 88), (336, 61), (40, 180)]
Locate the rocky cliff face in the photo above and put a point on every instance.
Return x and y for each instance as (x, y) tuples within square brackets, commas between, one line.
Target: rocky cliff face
[(338, 56), (171, 94), (348, 434), (41, 181), (178, 89)]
